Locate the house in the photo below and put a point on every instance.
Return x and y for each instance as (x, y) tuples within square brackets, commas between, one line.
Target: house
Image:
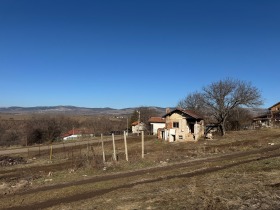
[(275, 108), (77, 133), (262, 121), (270, 119), (275, 114), (182, 125), (137, 127), (156, 123)]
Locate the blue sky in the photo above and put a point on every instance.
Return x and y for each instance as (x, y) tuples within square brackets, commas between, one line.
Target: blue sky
[(130, 53)]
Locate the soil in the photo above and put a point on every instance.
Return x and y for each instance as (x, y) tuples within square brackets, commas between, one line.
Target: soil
[(264, 153), (10, 161), (162, 172)]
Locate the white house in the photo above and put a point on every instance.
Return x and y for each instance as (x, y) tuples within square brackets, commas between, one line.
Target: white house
[(156, 123), (76, 134), (137, 127)]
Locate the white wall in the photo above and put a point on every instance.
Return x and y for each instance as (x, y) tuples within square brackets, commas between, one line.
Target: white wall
[(156, 126)]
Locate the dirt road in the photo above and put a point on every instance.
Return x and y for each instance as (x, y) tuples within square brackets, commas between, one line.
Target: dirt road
[(217, 163)]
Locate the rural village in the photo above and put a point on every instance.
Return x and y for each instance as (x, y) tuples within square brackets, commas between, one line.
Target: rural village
[(179, 144), (139, 105)]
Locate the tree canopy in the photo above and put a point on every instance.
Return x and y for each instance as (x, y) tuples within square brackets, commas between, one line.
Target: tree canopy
[(219, 98)]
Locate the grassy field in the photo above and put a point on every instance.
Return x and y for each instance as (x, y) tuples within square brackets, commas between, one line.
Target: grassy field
[(239, 171)]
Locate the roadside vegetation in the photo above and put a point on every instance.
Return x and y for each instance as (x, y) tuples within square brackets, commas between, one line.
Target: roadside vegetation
[(42, 128)]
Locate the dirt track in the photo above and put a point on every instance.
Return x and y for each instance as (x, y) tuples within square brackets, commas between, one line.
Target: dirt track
[(228, 161)]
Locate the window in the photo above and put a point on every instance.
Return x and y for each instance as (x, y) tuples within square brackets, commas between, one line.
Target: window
[(175, 125)]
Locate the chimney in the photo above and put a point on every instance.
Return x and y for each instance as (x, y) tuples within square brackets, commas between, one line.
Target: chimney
[(167, 110)]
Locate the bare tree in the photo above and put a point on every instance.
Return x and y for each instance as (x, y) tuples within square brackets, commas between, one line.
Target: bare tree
[(239, 118), (220, 98), (193, 101), (145, 113)]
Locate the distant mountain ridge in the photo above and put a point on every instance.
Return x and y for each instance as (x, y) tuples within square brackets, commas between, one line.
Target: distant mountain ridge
[(73, 110)]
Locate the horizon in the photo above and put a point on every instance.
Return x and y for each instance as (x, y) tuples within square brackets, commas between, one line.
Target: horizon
[(119, 54), (259, 107)]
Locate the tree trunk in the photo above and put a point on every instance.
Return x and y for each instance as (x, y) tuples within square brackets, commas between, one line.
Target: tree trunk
[(222, 127)]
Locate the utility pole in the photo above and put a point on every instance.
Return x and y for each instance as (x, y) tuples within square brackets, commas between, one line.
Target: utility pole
[(127, 126), (138, 122)]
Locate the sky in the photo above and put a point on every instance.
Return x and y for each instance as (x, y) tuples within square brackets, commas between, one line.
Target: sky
[(130, 53)]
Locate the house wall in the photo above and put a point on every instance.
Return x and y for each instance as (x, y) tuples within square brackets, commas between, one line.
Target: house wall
[(156, 126), (183, 132), (180, 133), (135, 129), (275, 108), (275, 115), (138, 128)]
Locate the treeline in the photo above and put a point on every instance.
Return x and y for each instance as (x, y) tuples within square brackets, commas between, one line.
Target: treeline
[(44, 128)]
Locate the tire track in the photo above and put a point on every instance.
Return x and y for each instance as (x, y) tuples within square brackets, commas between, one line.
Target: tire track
[(265, 154)]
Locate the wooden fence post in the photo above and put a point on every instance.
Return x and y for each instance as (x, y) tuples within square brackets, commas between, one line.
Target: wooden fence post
[(114, 148), (102, 145), (125, 145), (142, 135), (51, 153)]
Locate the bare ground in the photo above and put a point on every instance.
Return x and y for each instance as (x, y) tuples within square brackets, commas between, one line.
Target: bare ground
[(129, 190)]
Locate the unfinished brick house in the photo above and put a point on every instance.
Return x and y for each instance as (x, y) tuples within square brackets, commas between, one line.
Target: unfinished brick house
[(182, 125), (270, 119), (275, 114)]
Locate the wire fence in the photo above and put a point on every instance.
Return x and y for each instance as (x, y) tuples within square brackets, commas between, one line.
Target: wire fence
[(97, 152)]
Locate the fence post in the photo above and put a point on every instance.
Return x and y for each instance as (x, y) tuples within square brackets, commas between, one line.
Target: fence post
[(51, 153), (142, 135), (125, 145), (88, 151), (102, 145), (114, 148)]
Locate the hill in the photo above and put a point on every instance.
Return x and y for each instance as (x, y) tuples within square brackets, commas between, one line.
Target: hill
[(73, 110)]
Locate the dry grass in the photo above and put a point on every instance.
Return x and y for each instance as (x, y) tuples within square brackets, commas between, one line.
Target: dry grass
[(254, 185), (244, 187)]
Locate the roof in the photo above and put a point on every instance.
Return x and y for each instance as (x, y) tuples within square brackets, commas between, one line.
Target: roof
[(156, 120), (185, 112), (274, 105), (76, 132), (136, 123), (262, 117)]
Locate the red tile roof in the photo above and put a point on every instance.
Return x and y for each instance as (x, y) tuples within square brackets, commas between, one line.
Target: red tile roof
[(156, 120), (76, 132), (134, 123), (190, 113)]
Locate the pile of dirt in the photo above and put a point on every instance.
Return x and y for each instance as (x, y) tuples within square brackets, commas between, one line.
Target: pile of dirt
[(10, 161)]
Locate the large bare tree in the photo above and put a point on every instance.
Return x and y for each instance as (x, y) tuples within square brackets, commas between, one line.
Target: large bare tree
[(193, 101), (220, 98)]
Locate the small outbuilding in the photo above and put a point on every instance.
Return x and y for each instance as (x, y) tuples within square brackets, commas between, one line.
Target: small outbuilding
[(137, 127), (156, 123), (76, 134)]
